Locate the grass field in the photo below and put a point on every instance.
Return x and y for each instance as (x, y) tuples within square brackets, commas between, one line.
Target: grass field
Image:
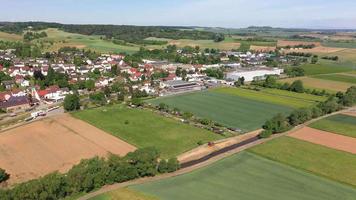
[(230, 110), (9, 37), (326, 67), (340, 124), (330, 163), (146, 129), (320, 84), (124, 194), (62, 39), (340, 44), (338, 77), (280, 97), (243, 176)]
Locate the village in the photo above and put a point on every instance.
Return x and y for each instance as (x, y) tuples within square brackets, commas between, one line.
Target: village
[(23, 89)]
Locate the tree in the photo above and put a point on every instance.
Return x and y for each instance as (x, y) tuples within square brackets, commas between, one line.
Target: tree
[(162, 166), (3, 175), (270, 82), (98, 98), (219, 37), (297, 86), (314, 59), (300, 116), (71, 102), (172, 165), (278, 124), (90, 85), (240, 82), (349, 99), (265, 134)]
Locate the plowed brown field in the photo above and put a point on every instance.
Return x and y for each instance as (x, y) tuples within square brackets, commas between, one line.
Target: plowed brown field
[(52, 144), (331, 140)]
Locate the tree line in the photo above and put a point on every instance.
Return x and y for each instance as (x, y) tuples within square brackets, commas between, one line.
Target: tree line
[(91, 174), (281, 123), (131, 34)]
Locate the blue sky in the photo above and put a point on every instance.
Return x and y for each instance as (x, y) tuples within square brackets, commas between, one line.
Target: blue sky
[(216, 13)]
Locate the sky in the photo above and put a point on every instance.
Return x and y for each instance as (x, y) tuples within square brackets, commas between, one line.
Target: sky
[(212, 13)]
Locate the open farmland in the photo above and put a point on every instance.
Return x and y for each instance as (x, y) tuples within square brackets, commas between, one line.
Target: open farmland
[(230, 110), (275, 96), (320, 160), (58, 143), (63, 39), (144, 128), (327, 139), (242, 176), (9, 37), (314, 83), (327, 67), (338, 77), (340, 124)]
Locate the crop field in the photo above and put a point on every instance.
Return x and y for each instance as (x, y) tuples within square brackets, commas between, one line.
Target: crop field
[(124, 194), (338, 77), (326, 67), (320, 160), (243, 176), (144, 128), (327, 139), (230, 110), (9, 37), (320, 84), (58, 143), (340, 124), (63, 39), (340, 44), (280, 97), (227, 44), (283, 43)]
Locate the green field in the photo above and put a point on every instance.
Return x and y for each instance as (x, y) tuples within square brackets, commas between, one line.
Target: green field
[(144, 128), (338, 77), (275, 96), (243, 176), (230, 110), (327, 67), (340, 124), (124, 194), (320, 160), (351, 44)]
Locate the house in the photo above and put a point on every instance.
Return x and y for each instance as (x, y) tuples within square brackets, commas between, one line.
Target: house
[(9, 84), (16, 103)]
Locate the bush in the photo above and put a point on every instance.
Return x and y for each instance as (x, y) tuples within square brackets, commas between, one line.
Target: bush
[(277, 124), (172, 165), (3, 175), (162, 166), (265, 134), (297, 86)]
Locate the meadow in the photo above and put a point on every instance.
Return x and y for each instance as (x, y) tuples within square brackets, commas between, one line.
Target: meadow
[(232, 111), (338, 77), (242, 176), (144, 128), (61, 39), (320, 84), (339, 124), (320, 160), (327, 67), (275, 96)]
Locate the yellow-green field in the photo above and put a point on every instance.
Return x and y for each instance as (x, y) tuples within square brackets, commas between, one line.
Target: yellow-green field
[(314, 83), (9, 37)]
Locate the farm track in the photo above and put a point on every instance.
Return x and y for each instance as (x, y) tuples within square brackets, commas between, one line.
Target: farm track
[(205, 161)]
